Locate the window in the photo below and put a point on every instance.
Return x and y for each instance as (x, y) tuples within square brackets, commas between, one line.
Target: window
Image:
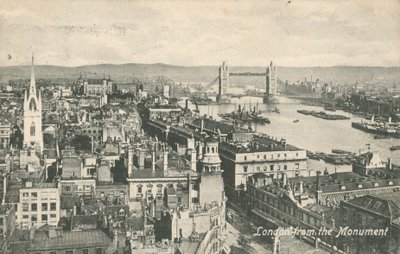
[(99, 250), (285, 167), (179, 199), (69, 252), (25, 194), (25, 216), (271, 167), (245, 158), (85, 251), (245, 169), (34, 194), (139, 189), (34, 218), (34, 207), (44, 217), (279, 155), (258, 169), (53, 206), (32, 129), (265, 156), (53, 215), (297, 165), (25, 207), (258, 156)]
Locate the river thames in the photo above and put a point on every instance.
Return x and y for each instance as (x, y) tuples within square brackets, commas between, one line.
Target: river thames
[(310, 133)]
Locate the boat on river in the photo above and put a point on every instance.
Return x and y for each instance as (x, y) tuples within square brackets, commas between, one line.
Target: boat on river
[(394, 148), (242, 116), (381, 137), (323, 115), (380, 128)]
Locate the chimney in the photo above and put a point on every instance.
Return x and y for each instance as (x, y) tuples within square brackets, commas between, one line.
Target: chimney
[(4, 188), (200, 150), (165, 160), (202, 126), (142, 157), (284, 179), (153, 160), (301, 187), (130, 160), (74, 211), (389, 164), (189, 191), (92, 144), (193, 159), (28, 184), (318, 184)]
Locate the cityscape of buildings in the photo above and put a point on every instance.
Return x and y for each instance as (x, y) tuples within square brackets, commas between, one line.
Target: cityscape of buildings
[(94, 168)]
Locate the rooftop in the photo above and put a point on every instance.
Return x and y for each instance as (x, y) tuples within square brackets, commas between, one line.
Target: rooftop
[(258, 144), (78, 239), (385, 206)]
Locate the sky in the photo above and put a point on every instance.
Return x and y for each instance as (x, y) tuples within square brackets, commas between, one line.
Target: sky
[(192, 33)]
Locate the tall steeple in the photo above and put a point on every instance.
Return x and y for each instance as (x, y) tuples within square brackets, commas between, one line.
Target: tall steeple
[(32, 86), (33, 136)]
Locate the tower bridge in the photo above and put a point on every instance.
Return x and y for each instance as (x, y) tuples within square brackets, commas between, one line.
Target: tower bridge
[(271, 81)]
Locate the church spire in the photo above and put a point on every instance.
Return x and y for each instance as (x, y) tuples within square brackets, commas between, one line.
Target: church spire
[(32, 87)]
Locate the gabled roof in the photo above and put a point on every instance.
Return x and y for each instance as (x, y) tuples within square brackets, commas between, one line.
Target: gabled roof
[(378, 204)]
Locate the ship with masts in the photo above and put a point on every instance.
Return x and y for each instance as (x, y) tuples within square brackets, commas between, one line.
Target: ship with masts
[(243, 116)]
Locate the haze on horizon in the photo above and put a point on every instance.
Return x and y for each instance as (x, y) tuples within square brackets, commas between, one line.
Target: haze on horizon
[(188, 33)]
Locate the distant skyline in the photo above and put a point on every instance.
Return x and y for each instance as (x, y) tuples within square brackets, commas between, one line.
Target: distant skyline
[(299, 33)]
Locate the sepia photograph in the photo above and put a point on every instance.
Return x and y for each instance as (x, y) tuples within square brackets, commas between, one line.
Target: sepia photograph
[(200, 127)]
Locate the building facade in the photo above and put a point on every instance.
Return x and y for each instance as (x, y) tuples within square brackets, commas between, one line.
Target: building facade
[(39, 204), (241, 160)]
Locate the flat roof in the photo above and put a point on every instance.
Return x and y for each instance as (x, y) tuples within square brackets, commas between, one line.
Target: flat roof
[(68, 239)]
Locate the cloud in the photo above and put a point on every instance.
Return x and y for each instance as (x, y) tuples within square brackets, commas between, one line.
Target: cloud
[(307, 32)]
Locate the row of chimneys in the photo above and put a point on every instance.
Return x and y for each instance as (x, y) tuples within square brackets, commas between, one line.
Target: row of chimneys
[(285, 183), (142, 156)]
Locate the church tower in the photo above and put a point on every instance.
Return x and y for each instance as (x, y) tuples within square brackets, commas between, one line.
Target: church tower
[(211, 182), (33, 136)]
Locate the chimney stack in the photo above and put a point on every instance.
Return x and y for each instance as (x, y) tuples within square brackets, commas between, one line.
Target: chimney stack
[(284, 178), (202, 126), (200, 150), (389, 164), (165, 160), (301, 187), (74, 211), (4, 188), (318, 184), (153, 160), (142, 157), (189, 191), (130, 160)]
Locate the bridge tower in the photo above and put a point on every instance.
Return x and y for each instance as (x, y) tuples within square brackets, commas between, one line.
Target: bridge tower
[(223, 81), (271, 83)]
